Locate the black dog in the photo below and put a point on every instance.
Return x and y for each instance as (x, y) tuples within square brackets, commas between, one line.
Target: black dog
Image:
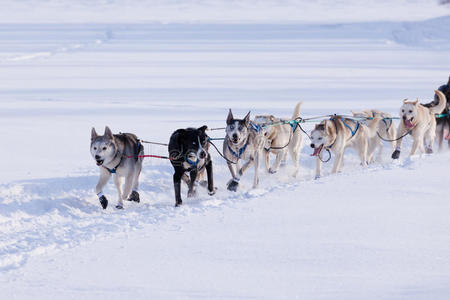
[(188, 152)]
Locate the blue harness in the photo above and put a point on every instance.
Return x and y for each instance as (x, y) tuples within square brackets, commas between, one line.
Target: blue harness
[(237, 155), (353, 131)]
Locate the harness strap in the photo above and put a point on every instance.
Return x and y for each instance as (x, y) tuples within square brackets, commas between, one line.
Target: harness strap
[(241, 150), (113, 170), (348, 126)]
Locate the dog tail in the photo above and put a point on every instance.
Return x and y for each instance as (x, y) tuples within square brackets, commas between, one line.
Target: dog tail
[(442, 103), (296, 113)]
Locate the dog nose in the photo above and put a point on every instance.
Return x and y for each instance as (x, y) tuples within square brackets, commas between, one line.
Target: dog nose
[(97, 157), (235, 136), (312, 146), (404, 118), (202, 154)]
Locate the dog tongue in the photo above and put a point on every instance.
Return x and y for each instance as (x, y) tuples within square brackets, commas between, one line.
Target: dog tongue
[(316, 151), (408, 123)]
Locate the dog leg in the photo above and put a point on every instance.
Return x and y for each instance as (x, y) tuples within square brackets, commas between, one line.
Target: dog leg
[(191, 191), (318, 167), (418, 142), (338, 161), (398, 144), (295, 158), (134, 192), (440, 134), (276, 164), (233, 183), (177, 185), (256, 178), (118, 183), (267, 160), (362, 151), (104, 178), (209, 173)]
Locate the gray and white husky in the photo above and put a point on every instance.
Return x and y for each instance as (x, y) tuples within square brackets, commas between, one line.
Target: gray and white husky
[(117, 154), (241, 143)]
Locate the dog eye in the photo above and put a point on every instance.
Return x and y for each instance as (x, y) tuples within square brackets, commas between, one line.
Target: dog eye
[(104, 148), (240, 127), (403, 110), (410, 111), (95, 148), (320, 138), (231, 127)]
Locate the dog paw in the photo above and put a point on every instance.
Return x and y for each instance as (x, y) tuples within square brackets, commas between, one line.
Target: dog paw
[(119, 206), (272, 171), (213, 192), (428, 150), (134, 197), (396, 154), (317, 177), (233, 185), (203, 183), (178, 203), (103, 202)]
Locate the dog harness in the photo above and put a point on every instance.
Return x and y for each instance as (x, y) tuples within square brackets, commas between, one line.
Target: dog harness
[(113, 170), (241, 150)]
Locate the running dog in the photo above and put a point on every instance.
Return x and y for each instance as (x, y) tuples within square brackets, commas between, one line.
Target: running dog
[(188, 152), (420, 122), (386, 131), (282, 138), (241, 143), (118, 155), (443, 122), (338, 133)]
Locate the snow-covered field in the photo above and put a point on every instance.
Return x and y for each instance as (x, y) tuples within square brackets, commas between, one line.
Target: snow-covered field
[(378, 233)]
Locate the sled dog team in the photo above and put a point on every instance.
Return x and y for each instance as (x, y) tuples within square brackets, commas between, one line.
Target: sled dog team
[(247, 142)]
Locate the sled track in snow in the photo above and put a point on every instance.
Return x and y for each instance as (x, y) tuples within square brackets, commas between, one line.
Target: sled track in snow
[(44, 215)]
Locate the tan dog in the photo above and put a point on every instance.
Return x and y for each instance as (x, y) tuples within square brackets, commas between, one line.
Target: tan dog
[(281, 139), (338, 133), (386, 130), (420, 122)]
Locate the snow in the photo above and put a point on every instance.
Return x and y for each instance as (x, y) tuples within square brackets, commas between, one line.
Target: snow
[(375, 233)]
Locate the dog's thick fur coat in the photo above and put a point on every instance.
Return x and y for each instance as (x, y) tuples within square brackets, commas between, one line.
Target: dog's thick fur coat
[(281, 140), (111, 152), (241, 143), (335, 134), (420, 122), (386, 130)]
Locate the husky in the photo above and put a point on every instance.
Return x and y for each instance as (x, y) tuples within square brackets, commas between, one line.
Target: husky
[(386, 130), (420, 122), (338, 133), (442, 123), (188, 152), (241, 143), (118, 155), (281, 139)]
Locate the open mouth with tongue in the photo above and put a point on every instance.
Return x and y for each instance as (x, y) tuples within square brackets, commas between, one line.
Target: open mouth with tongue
[(317, 150), (99, 162), (408, 123)]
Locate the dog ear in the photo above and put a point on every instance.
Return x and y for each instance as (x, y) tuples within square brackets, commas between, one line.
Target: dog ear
[(203, 128), (329, 128), (230, 117), (94, 134), (405, 100), (415, 102), (247, 119), (108, 132), (353, 113)]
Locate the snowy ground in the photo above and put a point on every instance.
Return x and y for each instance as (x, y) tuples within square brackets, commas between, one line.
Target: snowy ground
[(380, 233)]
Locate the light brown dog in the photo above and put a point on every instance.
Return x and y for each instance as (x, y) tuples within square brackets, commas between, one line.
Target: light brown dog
[(386, 130), (338, 133), (420, 122)]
